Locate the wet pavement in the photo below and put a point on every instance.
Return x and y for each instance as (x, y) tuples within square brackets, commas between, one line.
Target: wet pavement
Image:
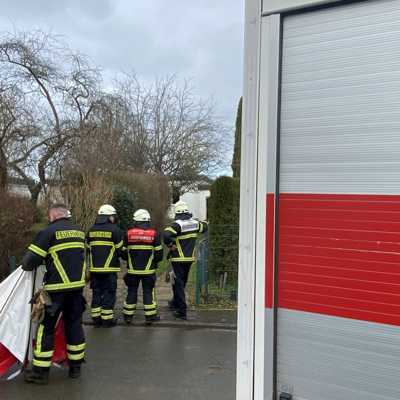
[(144, 363), (197, 318)]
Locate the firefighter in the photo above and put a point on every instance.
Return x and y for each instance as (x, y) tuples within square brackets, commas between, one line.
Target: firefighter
[(105, 241), (144, 252), (61, 246), (180, 237)]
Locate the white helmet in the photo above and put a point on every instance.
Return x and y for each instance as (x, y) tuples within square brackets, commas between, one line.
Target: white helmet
[(106, 209), (181, 208), (141, 216)]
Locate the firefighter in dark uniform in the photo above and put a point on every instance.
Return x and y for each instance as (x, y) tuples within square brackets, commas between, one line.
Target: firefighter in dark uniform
[(61, 246), (105, 242), (180, 237), (143, 251)]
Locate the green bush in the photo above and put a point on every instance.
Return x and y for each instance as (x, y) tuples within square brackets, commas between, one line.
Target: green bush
[(124, 202), (223, 215)]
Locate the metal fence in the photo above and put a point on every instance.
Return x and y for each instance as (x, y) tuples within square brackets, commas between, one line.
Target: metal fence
[(13, 263), (212, 287)]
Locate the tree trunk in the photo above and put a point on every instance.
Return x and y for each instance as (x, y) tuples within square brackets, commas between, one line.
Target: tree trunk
[(3, 172), (35, 192), (238, 139)]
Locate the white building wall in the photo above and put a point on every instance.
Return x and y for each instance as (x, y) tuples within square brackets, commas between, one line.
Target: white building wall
[(23, 191), (19, 190), (197, 202)]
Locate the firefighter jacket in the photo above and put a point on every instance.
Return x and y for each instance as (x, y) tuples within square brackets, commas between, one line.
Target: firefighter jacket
[(183, 233), (144, 249), (105, 242), (62, 247)]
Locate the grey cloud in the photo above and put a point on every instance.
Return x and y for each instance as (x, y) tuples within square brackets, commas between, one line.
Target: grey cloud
[(94, 9), (47, 10), (197, 39)]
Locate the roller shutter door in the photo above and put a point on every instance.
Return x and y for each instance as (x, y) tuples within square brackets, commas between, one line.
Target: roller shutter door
[(339, 204)]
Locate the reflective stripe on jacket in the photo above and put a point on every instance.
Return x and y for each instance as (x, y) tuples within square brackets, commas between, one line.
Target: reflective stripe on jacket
[(62, 247), (144, 250), (105, 242), (183, 233)]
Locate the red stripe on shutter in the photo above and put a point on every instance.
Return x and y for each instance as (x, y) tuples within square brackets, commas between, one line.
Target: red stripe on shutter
[(270, 244), (339, 255)]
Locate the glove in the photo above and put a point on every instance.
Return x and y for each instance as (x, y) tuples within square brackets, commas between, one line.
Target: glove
[(172, 277), (40, 301), (172, 248), (27, 267), (87, 275)]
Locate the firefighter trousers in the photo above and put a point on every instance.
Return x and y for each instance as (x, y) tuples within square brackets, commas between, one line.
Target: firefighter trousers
[(181, 271), (72, 305), (149, 299), (104, 287)]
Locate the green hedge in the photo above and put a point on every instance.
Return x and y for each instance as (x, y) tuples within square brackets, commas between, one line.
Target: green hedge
[(223, 212), (238, 140), (125, 203)]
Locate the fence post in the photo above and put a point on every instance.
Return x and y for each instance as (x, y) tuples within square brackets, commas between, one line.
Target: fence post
[(205, 271), (202, 270), (13, 263), (198, 279)]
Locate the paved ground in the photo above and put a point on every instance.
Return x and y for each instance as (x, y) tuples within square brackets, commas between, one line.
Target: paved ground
[(163, 291), (144, 364), (225, 319)]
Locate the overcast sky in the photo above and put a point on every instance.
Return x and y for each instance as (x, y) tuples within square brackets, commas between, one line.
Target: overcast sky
[(197, 39)]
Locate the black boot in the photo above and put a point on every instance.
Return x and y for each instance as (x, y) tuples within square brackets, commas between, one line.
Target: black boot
[(152, 318), (109, 323), (39, 376), (128, 319), (74, 371), (97, 322), (180, 315)]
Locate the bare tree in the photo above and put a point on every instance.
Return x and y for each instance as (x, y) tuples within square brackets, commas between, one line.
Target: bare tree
[(98, 149), (18, 132), (60, 84), (85, 193), (169, 131), (56, 122)]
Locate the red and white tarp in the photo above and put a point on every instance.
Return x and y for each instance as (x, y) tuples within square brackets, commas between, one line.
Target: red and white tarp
[(16, 333), (15, 309)]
